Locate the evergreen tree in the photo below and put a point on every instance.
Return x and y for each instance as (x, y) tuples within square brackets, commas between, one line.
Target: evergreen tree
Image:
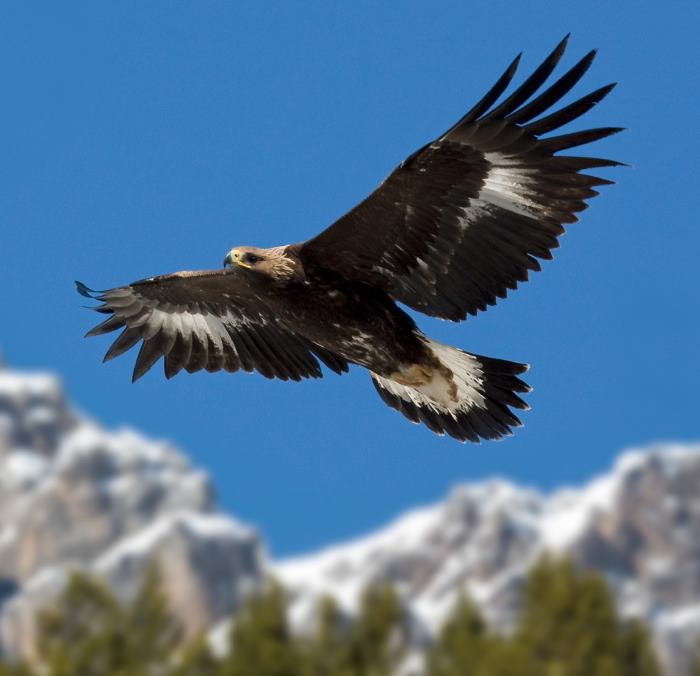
[(508, 657), (637, 652), (569, 622), (375, 647), (79, 634), (567, 627), (261, 643), (465, 647), (20, 669), (196, 660), (89, 633), (153, 636), (462, 645), (326, 653)]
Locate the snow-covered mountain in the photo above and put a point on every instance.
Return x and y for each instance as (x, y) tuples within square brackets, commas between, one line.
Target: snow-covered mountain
[(639, 524), (74, 496)]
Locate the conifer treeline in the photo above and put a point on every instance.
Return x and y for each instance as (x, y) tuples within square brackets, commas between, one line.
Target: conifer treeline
[(567, 627)]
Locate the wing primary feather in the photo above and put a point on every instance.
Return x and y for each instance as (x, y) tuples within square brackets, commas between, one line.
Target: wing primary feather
[(111, 324), (551, 95), (170, 367), (86, 291), (257, 360), (125, 341), (578, 138), (292, 357), (246, 360), (119, 302), (268, 355), (216, 356), (178, 355), (198, 354), (570, 112), (583, 163), (490, 97), (148, 355), (167, 341), (532, 84), (330, 359), (128, 309), (297, 353), (298, 363), (231, 363)]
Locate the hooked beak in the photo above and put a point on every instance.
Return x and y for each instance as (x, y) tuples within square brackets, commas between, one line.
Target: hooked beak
[(230, 258)]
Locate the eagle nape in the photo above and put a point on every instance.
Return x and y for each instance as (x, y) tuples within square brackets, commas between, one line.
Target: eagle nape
[(456, 226)]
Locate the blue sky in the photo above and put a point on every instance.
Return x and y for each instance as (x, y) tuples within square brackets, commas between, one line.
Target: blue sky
[(142, 138)]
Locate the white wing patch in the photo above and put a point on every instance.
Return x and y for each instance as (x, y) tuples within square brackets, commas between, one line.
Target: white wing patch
[(508, 184), (203, 325)]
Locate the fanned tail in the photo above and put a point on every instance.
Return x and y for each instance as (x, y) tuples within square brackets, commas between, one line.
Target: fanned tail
[(467, 396)]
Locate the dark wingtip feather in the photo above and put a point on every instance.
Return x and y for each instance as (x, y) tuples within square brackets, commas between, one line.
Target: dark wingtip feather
[(125, 341), (85, 290), (555, 92), (578, 163), (490, 97), (148, 355), (560, 48), (110, 324), (578, 138), (569, 113), (531, 84)]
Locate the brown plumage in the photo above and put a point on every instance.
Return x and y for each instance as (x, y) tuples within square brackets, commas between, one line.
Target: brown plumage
[(453, 228)]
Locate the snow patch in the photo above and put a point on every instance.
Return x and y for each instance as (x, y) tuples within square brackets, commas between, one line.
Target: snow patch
[(679, 618), (22, 385), (22, 469), (147, 540)]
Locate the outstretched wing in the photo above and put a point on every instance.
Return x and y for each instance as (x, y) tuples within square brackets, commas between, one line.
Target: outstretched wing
[(209, 319), (466, 217)]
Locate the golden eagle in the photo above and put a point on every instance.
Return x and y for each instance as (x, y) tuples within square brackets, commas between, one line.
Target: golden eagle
[(451, 229)]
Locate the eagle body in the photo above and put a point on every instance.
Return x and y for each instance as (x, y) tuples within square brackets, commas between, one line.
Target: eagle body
[(458, 224), (356, 321)]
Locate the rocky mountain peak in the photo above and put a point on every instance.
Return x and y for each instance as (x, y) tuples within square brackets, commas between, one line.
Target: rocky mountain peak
[(75, 496), (639, 524), (34, 414)]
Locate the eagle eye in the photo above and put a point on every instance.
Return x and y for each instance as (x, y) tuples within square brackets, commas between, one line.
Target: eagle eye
[(251, 258)]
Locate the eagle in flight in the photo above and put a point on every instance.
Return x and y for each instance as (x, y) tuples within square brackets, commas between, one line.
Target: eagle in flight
[(455, 226)]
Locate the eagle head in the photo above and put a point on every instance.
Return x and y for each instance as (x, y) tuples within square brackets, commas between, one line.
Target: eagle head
[(245, 256), (277, 262)]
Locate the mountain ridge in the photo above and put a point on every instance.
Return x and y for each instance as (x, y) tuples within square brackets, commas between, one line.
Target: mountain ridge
[(485, 537), (75, 496)]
